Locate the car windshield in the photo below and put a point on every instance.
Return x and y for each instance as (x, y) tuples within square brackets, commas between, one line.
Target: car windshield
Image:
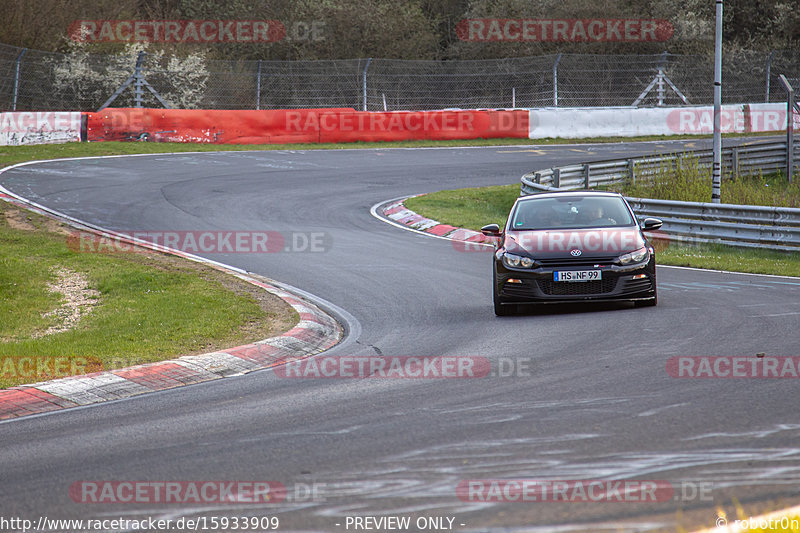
[(571, 212)]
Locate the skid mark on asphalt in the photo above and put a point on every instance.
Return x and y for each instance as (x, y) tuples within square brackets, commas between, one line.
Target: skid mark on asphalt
[(757, 434), (658, 410), (774, 315), (425, 481)]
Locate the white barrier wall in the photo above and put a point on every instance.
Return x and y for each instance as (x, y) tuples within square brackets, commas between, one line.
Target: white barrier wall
[(573, 123), (39, 127)]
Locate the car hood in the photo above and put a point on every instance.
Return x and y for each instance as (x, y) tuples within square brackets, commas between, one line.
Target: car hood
[(594, 242)]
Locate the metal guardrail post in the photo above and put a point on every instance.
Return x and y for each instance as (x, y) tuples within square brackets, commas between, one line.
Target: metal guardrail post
[(632, 171), (16, 78), (556, 177), (586, 176), (735, 162)]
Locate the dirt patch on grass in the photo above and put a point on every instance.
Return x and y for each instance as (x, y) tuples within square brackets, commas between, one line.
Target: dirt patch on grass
[(79, 300), (18, 220), (277, 316), (22, 220)]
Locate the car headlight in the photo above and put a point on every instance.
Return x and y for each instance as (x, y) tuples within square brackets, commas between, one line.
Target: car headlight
[(634, 257), (516, 261)]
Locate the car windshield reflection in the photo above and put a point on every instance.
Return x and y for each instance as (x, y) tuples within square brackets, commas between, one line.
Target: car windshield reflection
[(571, 212)]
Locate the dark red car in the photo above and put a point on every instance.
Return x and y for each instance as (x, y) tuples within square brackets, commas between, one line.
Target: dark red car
[(569, 247)]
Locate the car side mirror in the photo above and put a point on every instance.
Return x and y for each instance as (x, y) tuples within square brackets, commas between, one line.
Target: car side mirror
[(651, 224), (491, 230)]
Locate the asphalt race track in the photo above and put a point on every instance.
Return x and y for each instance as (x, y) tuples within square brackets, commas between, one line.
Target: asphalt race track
[(589, 398)]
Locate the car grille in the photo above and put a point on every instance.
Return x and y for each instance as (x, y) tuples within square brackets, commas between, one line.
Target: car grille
[(578, 288), (576, 261)]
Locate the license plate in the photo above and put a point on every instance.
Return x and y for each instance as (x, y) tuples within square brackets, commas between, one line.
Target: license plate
[(577, 275)]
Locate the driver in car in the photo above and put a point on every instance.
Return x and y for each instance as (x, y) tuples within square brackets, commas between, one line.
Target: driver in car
[(596, 216)]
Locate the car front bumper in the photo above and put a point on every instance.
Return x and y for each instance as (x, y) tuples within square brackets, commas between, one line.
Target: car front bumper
[(632, 282)]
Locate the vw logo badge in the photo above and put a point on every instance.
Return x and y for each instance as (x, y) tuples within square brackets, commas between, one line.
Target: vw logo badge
[(575, 253)]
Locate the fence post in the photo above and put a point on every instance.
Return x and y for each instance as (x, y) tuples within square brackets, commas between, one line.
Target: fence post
[(16, 78), (789, 126), (769, 70), (364, 82), (555, 80), (140, 82), (586, 176), (790, 136), (137, 73), (513, 98), (258, 85), (660, 78), (716, 165)]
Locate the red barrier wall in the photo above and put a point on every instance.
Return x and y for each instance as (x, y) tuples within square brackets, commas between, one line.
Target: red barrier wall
[(300, 125)]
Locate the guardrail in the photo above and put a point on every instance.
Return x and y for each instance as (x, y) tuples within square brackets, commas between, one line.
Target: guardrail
[(776, 228)]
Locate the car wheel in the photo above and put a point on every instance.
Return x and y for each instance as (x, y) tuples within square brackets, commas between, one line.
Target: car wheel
[(499, 308)]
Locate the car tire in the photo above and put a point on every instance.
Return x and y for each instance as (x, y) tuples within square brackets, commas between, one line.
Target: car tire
[(499, 308)]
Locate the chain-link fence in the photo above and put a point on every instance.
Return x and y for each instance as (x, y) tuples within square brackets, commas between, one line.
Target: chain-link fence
[(35, 80)]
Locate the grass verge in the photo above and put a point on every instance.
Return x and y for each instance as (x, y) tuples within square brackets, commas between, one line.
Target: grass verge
[(474, 208), (690, 183), (147, 306)]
